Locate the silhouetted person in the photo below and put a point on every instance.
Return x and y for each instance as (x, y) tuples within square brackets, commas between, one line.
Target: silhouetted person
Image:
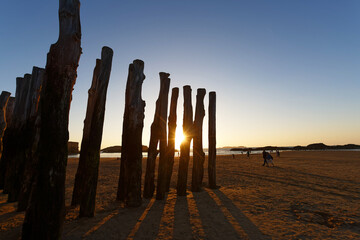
[(248, 153), (269, 159), (264, 153), (278, 153)]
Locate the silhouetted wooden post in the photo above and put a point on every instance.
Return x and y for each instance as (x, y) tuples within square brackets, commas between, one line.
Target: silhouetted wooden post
[(198, 153), (164, 98), (129, 188), (185, 145), (26, 168), (171, 136), (156, 135), (46, 210), (87, 172), (4, 98), (212, 140), (14, 153), (9, 110), (5, 140)]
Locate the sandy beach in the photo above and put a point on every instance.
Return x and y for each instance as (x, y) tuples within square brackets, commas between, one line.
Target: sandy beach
[(307, 195)]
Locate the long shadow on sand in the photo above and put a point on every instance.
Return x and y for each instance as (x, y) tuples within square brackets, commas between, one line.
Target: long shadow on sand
[(209, 214)]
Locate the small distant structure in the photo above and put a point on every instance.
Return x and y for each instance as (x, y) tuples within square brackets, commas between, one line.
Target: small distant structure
[(73, 148)]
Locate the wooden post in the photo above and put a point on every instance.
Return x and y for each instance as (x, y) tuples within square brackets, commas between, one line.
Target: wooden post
[(9, 110), (87, 172), (26, 172), (4, 98), (46, 210), (171, 136), (185, 146), (14, 153), (157, 134), (5, 140), (198, 153), (164, 98), (212, 140), (129, 188)]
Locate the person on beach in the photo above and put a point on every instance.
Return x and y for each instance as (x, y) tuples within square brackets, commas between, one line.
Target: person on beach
[(277, 152), (264, 153), (248, 153), (269, 159)]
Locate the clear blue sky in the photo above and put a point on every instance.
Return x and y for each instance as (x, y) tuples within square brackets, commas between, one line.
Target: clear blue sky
[(285, 72)]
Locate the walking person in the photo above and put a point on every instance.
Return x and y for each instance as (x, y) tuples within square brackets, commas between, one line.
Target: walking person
[(269, 159), (264, 153)]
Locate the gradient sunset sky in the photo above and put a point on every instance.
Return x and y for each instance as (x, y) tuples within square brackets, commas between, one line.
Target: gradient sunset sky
[(286, 72)]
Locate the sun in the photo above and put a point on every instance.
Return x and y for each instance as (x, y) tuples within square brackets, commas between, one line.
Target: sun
[(179, 137)]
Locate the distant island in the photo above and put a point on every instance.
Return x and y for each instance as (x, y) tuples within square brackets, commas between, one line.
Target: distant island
[(117, 149), (313, 146)]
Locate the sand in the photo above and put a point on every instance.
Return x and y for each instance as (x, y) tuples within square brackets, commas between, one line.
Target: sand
[(307, 195)]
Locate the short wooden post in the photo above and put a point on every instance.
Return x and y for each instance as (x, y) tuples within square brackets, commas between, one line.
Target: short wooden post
[(157, 134), (30, 140), (171, 136), (212, 140), (185, 146), (87, 172), (129, 188), (4, 98), (198, 153), (161, 181)]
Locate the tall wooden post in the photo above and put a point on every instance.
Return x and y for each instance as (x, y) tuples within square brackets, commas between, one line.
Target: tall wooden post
[(212, 140), (198, 153), (46, 210), (28, 165), (87, 173), (185, 145), (4, 98), (129, 188), (164, 96), (171, 136), (158, 129)]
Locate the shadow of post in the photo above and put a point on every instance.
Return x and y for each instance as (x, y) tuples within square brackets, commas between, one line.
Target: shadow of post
[(248, 226)]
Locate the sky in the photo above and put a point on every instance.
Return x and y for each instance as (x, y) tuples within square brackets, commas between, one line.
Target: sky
[(285, 73)]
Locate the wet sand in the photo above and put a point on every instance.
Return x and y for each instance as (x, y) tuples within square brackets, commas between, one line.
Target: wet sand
[(307, 195)]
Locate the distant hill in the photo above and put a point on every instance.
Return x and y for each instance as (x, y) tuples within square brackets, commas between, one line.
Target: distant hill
[(117, 149), (313, 146)]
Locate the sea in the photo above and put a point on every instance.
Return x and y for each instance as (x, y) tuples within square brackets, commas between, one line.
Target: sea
[(219, 151)]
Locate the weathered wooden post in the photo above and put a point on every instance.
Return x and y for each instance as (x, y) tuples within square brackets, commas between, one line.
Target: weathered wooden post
[(185, 145), (4, 98), (212, 140), (87, 173), (22, 160), (198, 153), (164, 98), (46, 210), (9, 110), (171, 136), (157, 134), (5, 140), (129, 188), (14, 152)]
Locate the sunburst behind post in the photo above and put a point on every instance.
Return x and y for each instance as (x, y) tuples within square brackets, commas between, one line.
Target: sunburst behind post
[(179, 138)]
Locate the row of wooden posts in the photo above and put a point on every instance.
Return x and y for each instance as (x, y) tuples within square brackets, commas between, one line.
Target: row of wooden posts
[(34, 136)]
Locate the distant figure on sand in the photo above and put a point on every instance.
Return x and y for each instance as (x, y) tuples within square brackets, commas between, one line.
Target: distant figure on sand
[(248, 153), (264, 157), (269, 159), (277, 153)]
